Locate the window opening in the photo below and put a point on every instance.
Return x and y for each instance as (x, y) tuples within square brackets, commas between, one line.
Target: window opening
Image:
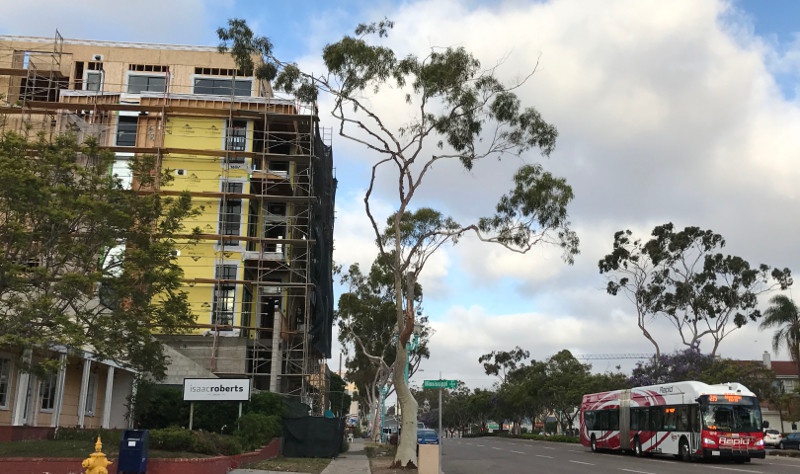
[(126, 130), (230, 213), (47, 392), (224, 296)]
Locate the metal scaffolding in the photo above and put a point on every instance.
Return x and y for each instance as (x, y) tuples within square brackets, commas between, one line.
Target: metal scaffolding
[(274, 194)]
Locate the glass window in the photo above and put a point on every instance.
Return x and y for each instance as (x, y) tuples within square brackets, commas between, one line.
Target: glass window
[(139, 83), (47, 392), (224, 295), (230, 213), (126, 130), (93, 81), (222, 86), (5, 381), (589, 418), (656, 418), (236, 139), (91, 394)]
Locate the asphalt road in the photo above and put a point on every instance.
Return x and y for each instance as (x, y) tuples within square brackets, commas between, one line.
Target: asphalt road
[(503, 455)]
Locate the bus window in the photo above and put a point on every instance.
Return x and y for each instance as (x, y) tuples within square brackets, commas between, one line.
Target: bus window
[(613, 420), (656, 418), (683, 418), (590, 419)]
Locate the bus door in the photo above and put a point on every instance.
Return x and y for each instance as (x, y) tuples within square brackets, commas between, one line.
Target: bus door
[(694, 425)]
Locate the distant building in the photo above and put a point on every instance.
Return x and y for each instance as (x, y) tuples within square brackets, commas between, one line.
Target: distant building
[(786, 380)]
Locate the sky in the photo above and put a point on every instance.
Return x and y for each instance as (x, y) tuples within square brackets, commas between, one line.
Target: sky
[(685, 111)]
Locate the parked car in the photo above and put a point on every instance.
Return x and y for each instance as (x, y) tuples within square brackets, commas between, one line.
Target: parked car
[(790, 441), (427, 436), (772, 437)]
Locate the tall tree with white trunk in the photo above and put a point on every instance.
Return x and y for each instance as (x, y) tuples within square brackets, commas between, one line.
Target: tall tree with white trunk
[(455, 111)]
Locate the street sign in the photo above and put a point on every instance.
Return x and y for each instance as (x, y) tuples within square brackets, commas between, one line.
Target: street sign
[(440, 384)]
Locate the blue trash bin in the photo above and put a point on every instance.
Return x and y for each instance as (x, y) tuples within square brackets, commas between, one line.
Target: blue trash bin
[(133, 452)]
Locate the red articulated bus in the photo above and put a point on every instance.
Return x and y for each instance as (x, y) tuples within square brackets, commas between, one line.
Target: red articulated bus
[(691, 420)]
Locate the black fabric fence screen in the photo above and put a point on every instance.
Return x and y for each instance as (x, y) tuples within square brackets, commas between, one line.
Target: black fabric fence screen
[(312, 437)]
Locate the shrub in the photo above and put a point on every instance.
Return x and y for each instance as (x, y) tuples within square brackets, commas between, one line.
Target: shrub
[(267, 403), (172, 439), (203, 442), (108, 437), (257, 429)]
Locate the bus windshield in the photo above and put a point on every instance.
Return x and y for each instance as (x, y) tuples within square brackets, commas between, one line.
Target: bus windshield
[(734, 414)]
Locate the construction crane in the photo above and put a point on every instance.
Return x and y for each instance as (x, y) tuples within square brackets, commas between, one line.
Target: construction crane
[(633, 356)]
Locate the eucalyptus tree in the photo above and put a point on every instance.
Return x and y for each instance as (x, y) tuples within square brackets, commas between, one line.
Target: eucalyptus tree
[(784, 316), (501, 363), (456, 111), (365, 314), (684, 277), (86, 264)]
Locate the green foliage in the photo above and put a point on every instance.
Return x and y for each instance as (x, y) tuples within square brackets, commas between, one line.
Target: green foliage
[(172, 439), (239, 39), (553, 438), (339, 398), (682, 276), (266, 403), (496, 362), (180, 439), (257, 429), (458, 111), (63, 280), (784, 315), (161, 406), (109, 437)]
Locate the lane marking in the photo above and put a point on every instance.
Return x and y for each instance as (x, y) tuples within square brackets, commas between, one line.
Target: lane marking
[(637, 472), (517, 452), (733, 469), (495, 447), (543, 456), (581, 462)]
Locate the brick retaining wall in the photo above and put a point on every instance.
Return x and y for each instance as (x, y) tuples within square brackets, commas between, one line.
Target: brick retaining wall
[(213, 465)]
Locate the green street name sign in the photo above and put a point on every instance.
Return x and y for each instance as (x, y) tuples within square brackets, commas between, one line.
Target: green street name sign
[(440, 384)]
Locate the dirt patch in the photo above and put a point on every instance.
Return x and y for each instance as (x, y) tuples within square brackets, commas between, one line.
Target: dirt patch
[(281, 464), (381, 458)]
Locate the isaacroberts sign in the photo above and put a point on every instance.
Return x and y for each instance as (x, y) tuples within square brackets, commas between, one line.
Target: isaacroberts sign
[(216, 390)]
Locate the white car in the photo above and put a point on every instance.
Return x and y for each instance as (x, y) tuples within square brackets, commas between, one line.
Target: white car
[(772, 437)]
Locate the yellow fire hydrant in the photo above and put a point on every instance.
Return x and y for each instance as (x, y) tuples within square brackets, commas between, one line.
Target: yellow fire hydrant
[(96, 463)]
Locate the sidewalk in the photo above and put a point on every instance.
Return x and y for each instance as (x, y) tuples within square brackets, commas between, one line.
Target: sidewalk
[(354, 461)]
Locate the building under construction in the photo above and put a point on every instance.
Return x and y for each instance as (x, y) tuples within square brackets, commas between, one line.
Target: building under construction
[(258, 167)]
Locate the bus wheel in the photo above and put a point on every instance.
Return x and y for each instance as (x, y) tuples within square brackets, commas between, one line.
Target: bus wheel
[(684, 450), (637, 448), (594, 444)]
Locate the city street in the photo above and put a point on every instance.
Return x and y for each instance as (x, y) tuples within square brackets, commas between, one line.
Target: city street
[(502, 455)]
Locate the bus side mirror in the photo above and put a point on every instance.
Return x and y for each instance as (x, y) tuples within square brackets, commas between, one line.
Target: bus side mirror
[(765, 424), (703, 401)]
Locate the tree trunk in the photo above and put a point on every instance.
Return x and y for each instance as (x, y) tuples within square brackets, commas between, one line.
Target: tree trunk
[(407, 441)]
